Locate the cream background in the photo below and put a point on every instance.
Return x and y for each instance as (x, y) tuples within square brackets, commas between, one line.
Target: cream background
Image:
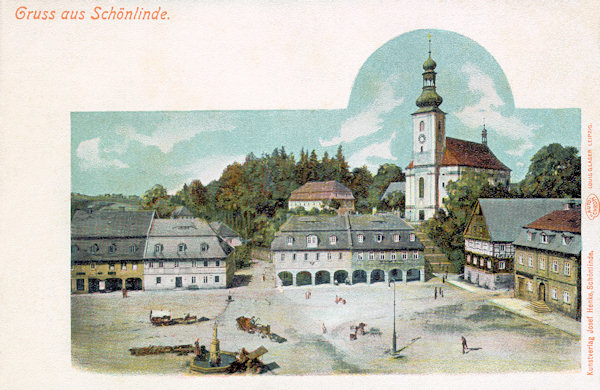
[(228, 55)]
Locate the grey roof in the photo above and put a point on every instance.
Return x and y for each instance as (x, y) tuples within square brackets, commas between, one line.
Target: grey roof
[(505, 217), (223, 230), (555, 241), (110, 223), (346, 230), (180, 228), (395, 186), (180, 212)]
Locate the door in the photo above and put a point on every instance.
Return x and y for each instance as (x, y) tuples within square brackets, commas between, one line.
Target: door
[(542, 292), (178, 281)]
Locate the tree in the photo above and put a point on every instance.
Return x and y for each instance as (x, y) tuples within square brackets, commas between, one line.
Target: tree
[(554, 172), (156, 198), (361, 181)]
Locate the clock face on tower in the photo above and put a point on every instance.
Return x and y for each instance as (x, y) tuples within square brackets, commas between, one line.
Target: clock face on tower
[(422, 138)]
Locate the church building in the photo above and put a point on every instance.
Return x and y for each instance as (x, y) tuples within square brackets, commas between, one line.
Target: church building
[(438, 159)]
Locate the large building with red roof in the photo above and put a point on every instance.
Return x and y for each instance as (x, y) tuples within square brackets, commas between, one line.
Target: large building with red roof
[(438, 159), (320, 194)]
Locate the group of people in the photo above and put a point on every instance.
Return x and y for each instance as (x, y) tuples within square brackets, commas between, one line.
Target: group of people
[(340, 300), (436, 291)]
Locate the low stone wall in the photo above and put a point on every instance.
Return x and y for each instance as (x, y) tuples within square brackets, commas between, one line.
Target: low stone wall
[(488, 280)]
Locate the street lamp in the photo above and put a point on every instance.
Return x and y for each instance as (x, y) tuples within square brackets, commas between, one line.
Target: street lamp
[(394, 332)]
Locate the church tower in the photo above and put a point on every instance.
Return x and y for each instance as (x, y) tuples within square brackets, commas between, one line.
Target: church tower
[(429, 142)]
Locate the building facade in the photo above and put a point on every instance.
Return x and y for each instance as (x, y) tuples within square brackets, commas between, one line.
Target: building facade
[(107, 249), (548, 262), (318, 194), (311, 250), (489, 235), (186, 253), (438, 159)]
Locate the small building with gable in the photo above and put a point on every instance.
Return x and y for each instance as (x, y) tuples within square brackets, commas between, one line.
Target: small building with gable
[(226, 233), (319, 194)]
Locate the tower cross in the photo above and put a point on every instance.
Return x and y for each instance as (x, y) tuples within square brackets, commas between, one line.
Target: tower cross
[(429, 39)]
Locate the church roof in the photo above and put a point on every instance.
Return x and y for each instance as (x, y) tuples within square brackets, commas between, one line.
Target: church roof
[(470, 154), (322, 190)]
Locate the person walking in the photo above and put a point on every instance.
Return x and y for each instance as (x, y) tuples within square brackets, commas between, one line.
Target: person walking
[(441, 293), (324, 328), (124, 292), (435, 292), (465, 348)]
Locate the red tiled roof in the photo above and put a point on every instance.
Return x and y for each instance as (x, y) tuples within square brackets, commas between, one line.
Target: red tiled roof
[(411, 165), (559, 221), (470, 154), (322, 190)]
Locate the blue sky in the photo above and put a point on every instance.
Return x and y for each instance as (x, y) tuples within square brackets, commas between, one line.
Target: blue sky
[(128, 152)]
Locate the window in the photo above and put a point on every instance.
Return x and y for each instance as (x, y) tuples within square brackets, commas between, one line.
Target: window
[(150, 264), (333, 240), (317, 256), (133, 248), (94, 248), (293, 257), (521, 259), (412, 237), (204, 247), (111, 266), (193, 279), (206, 263), (112, 248), (305, 256), (415, 255), (566, 240), (290, 240), (328, 255), (502, 247), (282, 257), (123, 266), (181, 247), (396, 237), (360, 256), (555, 266), (393, 256), (205, 280), (474, 260), (340, 255), (93, 265), (216, 278), (468, 258), (404, 255), (502, 265), (381, 256), (371, 256), (158, 280), (544, 238), (489, 264), (176, 263), (312, 241), (74, 249), (379, 237), (193, 263), (567, 269), (529, 236), (158, 248), (542, 262), (421, 188), (530, 261), (554, 293), (361, 238), (217, 263), (134, 266), (566, 297), (160, 264), (421, 126), (529, 285), (80, 284)]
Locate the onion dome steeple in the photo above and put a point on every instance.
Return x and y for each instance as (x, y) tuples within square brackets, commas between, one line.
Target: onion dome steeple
[(429, 99)]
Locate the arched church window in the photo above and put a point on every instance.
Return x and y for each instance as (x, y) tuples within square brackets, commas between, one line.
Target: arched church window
[(421, 126), (421, 149), (421, 188)]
